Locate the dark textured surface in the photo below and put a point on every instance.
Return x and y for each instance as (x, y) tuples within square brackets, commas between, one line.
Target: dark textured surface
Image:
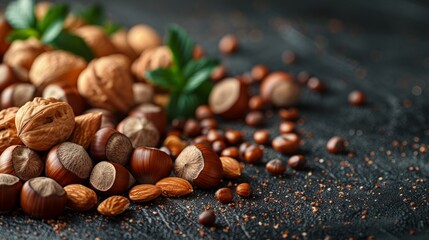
[(382, 49)]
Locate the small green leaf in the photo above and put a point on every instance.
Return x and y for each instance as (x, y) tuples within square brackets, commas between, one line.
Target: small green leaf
[(74, 44), (94, 15), (53, 31), (110, 27), (22, 34), (20, 14), (55, 14), (182, 105), (194, 66), (197, 79), (204, 90), (162, 77), (181, 46)]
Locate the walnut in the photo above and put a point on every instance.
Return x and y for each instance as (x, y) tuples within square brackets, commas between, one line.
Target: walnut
[(106, 84), (122, 59), (97, 39), (43, 123), (56, 67), (21, 55), (142, 37), (4, 31), (151, 59), (8, 135), (119, 40)]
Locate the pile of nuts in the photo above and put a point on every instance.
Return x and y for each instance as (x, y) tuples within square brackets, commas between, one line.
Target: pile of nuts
[(73, 131)]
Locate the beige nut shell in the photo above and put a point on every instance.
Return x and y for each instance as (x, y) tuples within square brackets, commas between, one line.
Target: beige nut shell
[(119, 40), (8, 135), (97, 40), (151, 59), (106, 84), (142, 37)]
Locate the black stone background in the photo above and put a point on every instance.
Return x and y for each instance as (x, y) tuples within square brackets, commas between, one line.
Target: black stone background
[(383, 50)]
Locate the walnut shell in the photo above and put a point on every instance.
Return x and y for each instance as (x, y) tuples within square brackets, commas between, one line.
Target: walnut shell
[(8, 135), (151, 59), (43, 123), (56, 67), (122, 59), (21, 55), (106, 84), (119, 40), (97, 40), (142, 37)]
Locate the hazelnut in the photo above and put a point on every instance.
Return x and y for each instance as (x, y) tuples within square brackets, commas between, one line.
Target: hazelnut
[(56, 67), (68, 163), (66, 94), (143, 93), (7, 76), (4, 31), (242, 149), (106, 84), (209, 123), (202, 140), (107, 117), (21, 55), (21, 162), (255, 118), (178, 124), (43, 123), (85, 128), (253, 154), (198, 52), (297, 162), (155, 114), (357, 98), (287, 127), (97, 40), (16, 95), (8, 134), (214, 135), (336, 145), (289, 57), (149, 165), (151, 59), (256, 103), (192, 128), (119, 40), (316, 85), (200, 165), (280, 89), (110, 178), (142, 37), (207, 218), (111, 145), (230, 152), (261, 137), (229, 98), (219, 73), (244, 190), (286, 143), (259, 72), (290, 114), (203, 112), (218, 146), (228, 44), (10, 189), (224, 195), (43, 197), (140, 131), (233, 137), (175, 145), (303, 77), (275, 167)]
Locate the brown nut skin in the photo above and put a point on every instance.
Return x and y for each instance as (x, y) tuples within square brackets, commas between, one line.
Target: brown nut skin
[(224, 195), (17, 94), (8, 134), (286, 143), (68, 163), (253, 154), (111, 145), (56, 67), (244, 190), (22, 162), (297, 162), (280, 89), (259, 72), (149, 165), (140, 131), (43, 197), (4, 31), (10, 189), (109, 178), (97, 40), (119, 40), (207, 218), (143, 93), (155, 114), (275, 167), (43, 123), (80, 198), (151, 59), (142, 37), (357, 98), (200, 165), (7, 76), (335, 145), (106, 84), (228, 44), (261, 137), (66, 94), (229, 99)]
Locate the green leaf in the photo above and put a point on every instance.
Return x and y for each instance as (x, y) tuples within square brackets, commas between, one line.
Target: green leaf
[(20, 14), (197, 79), (196, 65), (22, 34), (110, 27), (181, 46), (55, 14), (162, 77), (204, 90), (53, 31), (182, 105), (197, 72), (94, 15), (74, 44)]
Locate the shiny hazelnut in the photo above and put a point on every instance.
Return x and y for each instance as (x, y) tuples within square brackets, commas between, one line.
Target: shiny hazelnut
[(243, 190), (224, 195), (142, 37), (209, 123), (207, 218), (357, 98), (7, 77), (230, 152), (110, 178), (316, 85), (192, 128), (255, 118), (229, 99), (140, 131), (21, 162), (68, 163), (256, 103), (200, 165), (228, 44), (233, 137), (149, 165), (275, 167), (203, 112), (290, 114), (286, 143), (215, 135), (202, 140), (155, 114), (242, 149), (219, 73), (111, 145), (218, 146), (66, 94), (10, 189), (97, 40), (280, 89), (336, 145), (259, 72), (175, 145), (297, 162), (17, 94), (289, 57), (143, 93), (261, 137), (43, 197), (253, 154), (287, 127)]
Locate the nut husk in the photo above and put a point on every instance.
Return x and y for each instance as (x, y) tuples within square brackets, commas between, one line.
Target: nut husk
[(8, 134), (97, 40)]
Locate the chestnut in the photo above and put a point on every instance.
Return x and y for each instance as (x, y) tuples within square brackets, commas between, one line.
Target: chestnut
[(154, 113), (140, 130), (286, 143), (110, 178), (111, 145), (200, 165), (22, 162), (68, 94), (7, 77), (17, 94), (229, 99), (10, 188), (43, 197), (280, 89), (149, 165), (68, 163)]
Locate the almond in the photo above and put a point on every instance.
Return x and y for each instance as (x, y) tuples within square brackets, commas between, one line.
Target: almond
[(113, 206), (85, 128), (144, 193), (174, 187), (80, 198), (231, 167)]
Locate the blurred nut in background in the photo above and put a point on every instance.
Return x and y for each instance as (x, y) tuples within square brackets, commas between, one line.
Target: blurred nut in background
[(4, 31), (143, 93), (142, 37), (279, 89), (151, 59), (66, 94), (140, 131), (16, 95), (97, 40), (119, 40)]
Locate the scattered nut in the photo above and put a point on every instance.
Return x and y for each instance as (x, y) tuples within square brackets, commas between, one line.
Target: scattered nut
[(174, 187), (144, 193), (113, 206), (80, 198)]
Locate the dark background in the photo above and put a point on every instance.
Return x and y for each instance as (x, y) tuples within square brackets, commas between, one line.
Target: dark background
[(380, 47)]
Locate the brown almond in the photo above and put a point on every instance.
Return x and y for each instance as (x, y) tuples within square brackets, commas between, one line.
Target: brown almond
[(113, 206), (231, 167), (144, 193), (174, 187), (80, 198), (86, 126)]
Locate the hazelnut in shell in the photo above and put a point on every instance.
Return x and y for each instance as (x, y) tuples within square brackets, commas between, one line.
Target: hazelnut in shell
[(149, 165), (143, 93), (66, 94), (16, 95), (286, 143), (142, 37), (229, 98), (280, 89), (22, 162), (200, 165), (154, 113), (97, 40), (7, 76), (10, 189), (150, 59), (111, 145), (110, 178), (140, 131)]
